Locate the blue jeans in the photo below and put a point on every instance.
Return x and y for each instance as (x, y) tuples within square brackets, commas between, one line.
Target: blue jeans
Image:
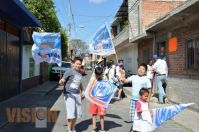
[(159, 81)]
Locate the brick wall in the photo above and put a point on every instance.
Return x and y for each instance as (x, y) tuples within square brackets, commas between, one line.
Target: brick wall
[(152, 10), (177, 60), (144, 12), (133, 14)]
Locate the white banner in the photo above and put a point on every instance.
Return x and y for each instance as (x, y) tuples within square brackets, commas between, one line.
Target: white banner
[(101, 44), (47, 47)]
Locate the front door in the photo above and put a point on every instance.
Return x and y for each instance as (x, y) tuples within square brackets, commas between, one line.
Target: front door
[(162, 50), (9, 60)]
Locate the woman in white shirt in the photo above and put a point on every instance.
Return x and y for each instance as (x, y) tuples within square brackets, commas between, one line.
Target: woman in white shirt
[(150, 75)]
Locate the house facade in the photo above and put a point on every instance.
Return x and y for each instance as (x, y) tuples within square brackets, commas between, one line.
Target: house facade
[(178, 31), (11, 42)]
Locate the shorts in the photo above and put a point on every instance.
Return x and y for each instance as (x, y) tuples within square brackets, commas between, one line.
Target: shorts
[(120, 86), (97, 110), (73, 105), (132, 109)]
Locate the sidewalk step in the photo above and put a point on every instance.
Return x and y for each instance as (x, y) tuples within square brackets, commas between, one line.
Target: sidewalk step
[(25, 99)]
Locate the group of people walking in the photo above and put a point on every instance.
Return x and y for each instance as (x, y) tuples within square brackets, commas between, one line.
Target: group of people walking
[(140, 114)]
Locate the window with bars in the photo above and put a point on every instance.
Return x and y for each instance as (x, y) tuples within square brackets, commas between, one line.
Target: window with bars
[(192, 53), (31, 67)]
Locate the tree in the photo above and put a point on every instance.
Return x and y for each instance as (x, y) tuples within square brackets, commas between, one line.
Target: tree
[(44, 11), (79, 47), (64, 41)]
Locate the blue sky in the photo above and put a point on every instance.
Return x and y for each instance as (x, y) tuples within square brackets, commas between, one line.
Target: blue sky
[(88, 15)]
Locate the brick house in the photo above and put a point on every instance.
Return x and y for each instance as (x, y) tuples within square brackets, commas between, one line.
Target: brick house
[(120, 35), (138, 14), (141, 14), (174, 37), (178, 32)]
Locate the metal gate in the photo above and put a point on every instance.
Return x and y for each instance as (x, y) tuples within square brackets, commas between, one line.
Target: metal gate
[(9, 60)]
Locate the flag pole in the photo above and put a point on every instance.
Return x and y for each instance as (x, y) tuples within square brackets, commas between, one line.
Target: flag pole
[(60, 73), (112, 43), (116, 57)]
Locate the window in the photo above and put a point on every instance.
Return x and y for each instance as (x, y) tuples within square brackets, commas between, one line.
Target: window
[(146, 55), (162, 50), (192, 53), (31, 67)]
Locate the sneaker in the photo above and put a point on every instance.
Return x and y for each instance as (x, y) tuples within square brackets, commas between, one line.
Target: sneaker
[(102, 131), (94, 130), (165, 99)]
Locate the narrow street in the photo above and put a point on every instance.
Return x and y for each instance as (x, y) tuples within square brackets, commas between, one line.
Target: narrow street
[(116, 120)]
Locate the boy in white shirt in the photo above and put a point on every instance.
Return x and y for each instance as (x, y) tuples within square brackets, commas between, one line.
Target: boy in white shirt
[(138, 81)]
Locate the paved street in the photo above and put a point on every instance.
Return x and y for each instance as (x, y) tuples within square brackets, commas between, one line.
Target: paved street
[(115, 121)]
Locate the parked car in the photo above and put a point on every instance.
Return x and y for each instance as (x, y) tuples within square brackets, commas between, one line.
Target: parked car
[(57, 72)]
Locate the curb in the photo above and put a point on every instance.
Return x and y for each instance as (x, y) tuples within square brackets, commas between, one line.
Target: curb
[(37, 89)]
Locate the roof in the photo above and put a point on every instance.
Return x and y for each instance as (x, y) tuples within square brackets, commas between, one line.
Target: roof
[(121, 14), (16, 13)]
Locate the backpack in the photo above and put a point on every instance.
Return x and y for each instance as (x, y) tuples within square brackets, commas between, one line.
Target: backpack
[(109, 71)]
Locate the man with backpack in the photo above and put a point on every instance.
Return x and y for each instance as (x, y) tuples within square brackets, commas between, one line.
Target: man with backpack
[(113, 73)]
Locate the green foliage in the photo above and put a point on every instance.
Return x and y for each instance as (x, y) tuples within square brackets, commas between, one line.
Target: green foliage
[(64, 41), (44, 11), (124, 24)]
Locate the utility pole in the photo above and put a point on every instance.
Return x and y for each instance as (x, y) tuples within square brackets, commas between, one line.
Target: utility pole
[(69, 26)]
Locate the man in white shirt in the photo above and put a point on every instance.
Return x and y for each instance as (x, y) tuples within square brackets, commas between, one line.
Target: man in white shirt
[(161, 70)]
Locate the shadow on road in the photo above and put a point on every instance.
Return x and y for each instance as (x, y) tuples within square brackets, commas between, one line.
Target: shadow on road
[(27, 103), (113, 116), (83, 126)]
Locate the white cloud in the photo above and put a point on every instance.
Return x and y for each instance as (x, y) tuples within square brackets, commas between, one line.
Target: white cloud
[(97, 1)]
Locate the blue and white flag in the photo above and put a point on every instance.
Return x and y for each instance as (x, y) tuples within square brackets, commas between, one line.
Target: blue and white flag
[(100, 92), (161, 115), (47, 47), (101, 44)]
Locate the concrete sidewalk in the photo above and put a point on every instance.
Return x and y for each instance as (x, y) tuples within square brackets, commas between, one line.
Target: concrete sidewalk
[(26, 99), (187, 119)]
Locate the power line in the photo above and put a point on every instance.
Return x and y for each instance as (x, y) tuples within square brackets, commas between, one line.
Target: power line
[(93, 16)]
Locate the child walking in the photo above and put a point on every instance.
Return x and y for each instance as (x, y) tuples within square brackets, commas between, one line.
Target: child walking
[(138, 81), (143, 119), (96, 110), (73, 93)]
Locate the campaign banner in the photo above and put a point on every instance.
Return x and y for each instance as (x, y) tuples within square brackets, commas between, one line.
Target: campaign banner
[(161, 115), (101, 43), (100, 92), (46, 47)]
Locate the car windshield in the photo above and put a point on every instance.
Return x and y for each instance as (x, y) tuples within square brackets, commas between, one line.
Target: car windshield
[(64, 64)]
